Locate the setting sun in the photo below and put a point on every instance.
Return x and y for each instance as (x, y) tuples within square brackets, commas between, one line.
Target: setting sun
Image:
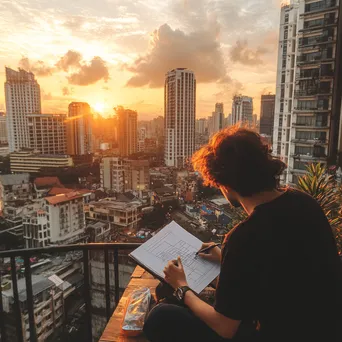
[(99, 107)]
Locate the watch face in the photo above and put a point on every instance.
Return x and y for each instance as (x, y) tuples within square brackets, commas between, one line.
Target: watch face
[(179, 294)]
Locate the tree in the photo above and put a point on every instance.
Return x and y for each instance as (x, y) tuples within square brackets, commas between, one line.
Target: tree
[(322, 186)]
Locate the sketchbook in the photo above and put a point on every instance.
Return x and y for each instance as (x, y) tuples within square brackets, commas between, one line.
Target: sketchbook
[(171, 242)]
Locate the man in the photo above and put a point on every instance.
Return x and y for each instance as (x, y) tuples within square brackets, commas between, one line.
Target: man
[(279, 268)]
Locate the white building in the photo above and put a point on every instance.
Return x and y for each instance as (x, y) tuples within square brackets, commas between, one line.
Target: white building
[(217, 119), (202, 126), (242, 110), (112, 174), (48, 133), (79, 129), (3, 129), (22, 95), (180, 116), (66, 221)]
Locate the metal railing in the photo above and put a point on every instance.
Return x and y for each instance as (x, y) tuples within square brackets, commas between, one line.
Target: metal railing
[(26, 254)]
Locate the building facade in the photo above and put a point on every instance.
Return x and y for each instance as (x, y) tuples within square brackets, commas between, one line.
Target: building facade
[(267, 114), (242, 110), (112, 174), (22, 96), (3, 129), (31, 162), (218, 119), (48, 133), (180, 116), (127, 131), (137, 175), (308, 107), (79, 129)]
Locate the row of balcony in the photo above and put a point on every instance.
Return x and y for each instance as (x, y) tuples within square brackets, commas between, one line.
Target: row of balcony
[(318, 23), (313, 91)]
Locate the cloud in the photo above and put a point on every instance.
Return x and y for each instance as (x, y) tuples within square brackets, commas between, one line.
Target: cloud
[(66, 91), (38, 68), (243, 54), (46, 96), (198, 50), (90, 73), (72, 59)]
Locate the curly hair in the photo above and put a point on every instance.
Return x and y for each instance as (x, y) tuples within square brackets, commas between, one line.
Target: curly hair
[(239, 159)]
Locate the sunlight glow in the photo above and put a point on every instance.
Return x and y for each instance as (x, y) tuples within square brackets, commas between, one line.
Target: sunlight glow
[(99, 107)]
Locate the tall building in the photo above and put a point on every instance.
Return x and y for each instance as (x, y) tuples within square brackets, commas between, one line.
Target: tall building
[(217, 119), (22, 95), (48, 133), (112, 174), (229, 120), (3, 129), (202, 126), (79, 129), (127, 131), (137, 175), (242, 110), (267, 114), (180, 116), (308, 125)]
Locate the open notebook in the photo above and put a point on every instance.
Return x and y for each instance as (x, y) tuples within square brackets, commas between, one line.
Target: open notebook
[(171, 242)]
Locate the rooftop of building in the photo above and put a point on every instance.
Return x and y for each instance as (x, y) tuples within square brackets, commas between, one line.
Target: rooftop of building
[(112, 203), (164, 190), (59, 190), (47, 115), (15, 179), (61, 198), (47, 182), (35, 154)]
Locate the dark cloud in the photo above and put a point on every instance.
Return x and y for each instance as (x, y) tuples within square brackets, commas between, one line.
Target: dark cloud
[(90, 73), (199, 51), (72, 59), (243, 54), (39, 68)]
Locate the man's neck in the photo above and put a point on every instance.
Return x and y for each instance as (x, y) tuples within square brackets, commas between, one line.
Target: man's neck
[(249, 203)]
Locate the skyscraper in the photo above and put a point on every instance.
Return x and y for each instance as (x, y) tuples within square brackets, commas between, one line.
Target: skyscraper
[(127, 131), (180, 116), (308, 104), (22, 94), (217, 118), (3, 129), (267, 115), (242, 110), (79, 129)]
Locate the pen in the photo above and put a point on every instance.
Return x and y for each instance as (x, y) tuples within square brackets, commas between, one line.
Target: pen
[(207, 249)]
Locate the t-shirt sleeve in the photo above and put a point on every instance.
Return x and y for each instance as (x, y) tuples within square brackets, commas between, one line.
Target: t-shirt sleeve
[(236, 288)]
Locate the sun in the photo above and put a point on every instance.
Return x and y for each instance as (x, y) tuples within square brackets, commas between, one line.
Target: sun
[(99, 107)]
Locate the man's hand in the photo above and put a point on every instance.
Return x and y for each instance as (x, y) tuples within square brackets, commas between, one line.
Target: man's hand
[(174, 274), (212, 255)]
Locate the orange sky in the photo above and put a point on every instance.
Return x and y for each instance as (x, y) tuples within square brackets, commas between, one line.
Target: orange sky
[(116, 52)]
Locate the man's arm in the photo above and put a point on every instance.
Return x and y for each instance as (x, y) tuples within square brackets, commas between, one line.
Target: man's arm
[(222, 325)]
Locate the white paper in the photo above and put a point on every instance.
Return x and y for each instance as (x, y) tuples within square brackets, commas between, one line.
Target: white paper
[(171, 242)]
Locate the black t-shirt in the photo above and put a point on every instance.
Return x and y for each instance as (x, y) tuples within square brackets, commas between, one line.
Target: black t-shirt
[(280, 267)]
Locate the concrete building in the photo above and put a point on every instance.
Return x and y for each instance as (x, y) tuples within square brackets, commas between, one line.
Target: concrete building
[(79, 129), (31, 162), (308, 101), (217, 119), (48, 133), (180, 116), (267, 114), (202, 126), (22, 95), (3, 129), (121, 215), (127, 131), (66, 218), (112, 174), (137, 175), (229, 120), (242, 110), (14, 187)]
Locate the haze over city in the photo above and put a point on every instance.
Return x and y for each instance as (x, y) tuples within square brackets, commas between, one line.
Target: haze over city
[(116, 52)]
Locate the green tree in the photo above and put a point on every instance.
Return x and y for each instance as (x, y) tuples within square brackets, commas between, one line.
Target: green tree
[(322, 186)]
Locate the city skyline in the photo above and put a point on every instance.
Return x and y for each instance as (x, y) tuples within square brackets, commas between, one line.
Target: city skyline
[(113, 54)]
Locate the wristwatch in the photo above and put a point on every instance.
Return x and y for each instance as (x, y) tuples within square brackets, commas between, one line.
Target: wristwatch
[(180, 292)]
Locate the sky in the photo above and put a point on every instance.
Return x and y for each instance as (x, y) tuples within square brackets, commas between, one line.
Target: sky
[(116, 52)]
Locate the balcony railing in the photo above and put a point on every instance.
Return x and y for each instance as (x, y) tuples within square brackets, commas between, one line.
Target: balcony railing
[(312, 91), (316, 24), (26, 254)]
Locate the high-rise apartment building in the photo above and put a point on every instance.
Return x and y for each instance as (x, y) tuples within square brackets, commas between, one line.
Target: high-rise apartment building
[(267, 115), (48, 133), (202, 126), (22, 95), (180, 116), (307, 127), (127, 131), (217, 119), (242, 110), (229, 120), (3, 129), (79, 129)]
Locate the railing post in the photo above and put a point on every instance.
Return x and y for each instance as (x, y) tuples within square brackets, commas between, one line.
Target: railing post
[(107, 285), (87, 294), (17, 311), (29, 299), (2, 317), (116, 277)]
